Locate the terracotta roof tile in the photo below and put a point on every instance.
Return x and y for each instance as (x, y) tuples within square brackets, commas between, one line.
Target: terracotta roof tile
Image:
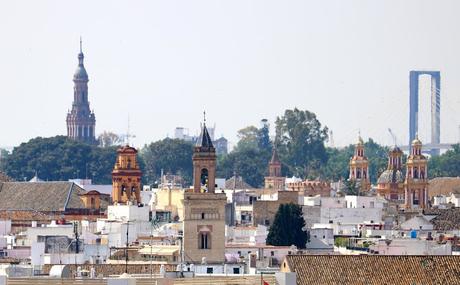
[(40, 196), (374, 269)]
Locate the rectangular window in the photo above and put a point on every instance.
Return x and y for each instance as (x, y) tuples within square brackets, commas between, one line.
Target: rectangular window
[(209, 270)]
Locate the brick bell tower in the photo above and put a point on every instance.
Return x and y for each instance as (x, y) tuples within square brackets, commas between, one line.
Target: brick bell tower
[(81, 121), (204, 210), (126, 177), (274, 180)]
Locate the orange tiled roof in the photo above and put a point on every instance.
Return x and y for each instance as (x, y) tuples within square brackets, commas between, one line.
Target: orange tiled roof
[(373, 269)]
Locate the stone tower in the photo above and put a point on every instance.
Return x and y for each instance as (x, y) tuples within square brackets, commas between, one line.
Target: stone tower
[(359, 167), (81, 121), (274, 180), (126, 177), (416, 184), (204, 210), (204, 164), (391, 182)]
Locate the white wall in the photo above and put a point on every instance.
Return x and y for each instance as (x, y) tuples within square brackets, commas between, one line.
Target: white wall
[(350, 215), (412, 247), (5, 227), (321, 238), (128, 213), (37, 251), (58, 230)]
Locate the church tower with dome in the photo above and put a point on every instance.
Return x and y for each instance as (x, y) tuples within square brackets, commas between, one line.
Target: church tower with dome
[(416, 183), (390, 183), (81, 121), (359, 167)]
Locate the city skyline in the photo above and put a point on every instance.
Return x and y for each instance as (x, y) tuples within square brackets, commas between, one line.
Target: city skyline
[(343, 62)]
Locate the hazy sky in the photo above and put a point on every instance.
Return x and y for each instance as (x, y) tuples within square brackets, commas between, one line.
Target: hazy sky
[(164, 62)]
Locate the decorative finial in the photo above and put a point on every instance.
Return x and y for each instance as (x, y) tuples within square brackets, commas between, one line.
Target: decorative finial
[(81, 50), (204, 117), (360, 139)]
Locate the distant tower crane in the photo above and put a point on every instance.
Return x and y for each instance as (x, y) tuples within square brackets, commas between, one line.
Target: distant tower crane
[(392, 136), (331, 139)]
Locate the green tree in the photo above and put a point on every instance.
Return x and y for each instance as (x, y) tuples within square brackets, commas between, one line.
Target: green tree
[(59, 159), (3, 158), (378, 159), (247, 163), (107, 139), (300, 139), (445, 165), (351, 187), (250, 157), (263, 137), (247, 138), (287, 228), (172, 155), (337, 167)]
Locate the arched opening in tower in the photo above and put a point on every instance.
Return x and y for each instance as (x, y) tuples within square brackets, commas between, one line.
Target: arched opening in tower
[(204, 179)]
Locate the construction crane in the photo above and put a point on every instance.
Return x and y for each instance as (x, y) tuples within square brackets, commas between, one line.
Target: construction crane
[(392, 136), (331, 139)]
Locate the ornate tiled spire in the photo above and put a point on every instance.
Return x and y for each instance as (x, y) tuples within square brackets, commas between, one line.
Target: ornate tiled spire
[(81, 120)]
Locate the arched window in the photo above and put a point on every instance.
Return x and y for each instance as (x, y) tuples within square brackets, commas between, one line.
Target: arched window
[(93, 203), (123, 190), (204, 240), (204, 178), (358, 173), (415, 172)]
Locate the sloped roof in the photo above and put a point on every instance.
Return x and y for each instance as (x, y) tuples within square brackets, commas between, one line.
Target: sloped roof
[(443, 185), (446, 219), (373, 269), (205, 139), (40, 196), (237, 183), (275, 159)]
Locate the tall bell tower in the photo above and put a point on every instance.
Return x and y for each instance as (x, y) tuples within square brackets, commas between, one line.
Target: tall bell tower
[(126, 177), (204, 164), (81, 121), (359, 167), (274, 180), (416, 184), (204, 209)]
